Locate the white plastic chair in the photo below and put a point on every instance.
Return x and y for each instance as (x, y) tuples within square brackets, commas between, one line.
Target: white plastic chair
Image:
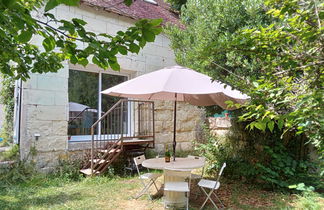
[(212, 186), (177, 186), (151, 177)]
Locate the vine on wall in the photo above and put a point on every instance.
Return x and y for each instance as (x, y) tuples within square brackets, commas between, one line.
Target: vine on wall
[(7, 99)]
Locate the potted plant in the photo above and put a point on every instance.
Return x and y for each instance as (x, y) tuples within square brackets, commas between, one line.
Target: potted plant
[(167, 154)]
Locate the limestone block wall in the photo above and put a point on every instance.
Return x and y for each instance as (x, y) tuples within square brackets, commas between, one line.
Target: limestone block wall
[(219, 125), (45, 96), (188, 125)]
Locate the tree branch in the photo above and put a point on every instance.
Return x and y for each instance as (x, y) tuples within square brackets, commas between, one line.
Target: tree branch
[(58, 31), (229, 71)]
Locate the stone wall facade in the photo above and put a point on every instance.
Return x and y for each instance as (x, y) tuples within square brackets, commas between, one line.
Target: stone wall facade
[(45, 113), (219, 125)]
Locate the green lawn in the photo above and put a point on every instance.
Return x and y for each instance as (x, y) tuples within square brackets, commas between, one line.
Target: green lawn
[(116, 193)]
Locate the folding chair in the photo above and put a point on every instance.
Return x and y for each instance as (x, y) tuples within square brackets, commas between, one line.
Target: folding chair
[(147, 176), (177, 185), (195, 176), (212, 186)]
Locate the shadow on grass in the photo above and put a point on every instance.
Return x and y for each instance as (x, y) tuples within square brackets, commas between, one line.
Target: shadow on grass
[(40, 201)]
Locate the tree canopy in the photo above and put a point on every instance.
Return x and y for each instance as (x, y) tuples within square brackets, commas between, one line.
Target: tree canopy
[(272, 51), (19, 57)]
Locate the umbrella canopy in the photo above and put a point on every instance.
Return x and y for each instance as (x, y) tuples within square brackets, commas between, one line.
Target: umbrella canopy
[(76, 107), (177, 83)]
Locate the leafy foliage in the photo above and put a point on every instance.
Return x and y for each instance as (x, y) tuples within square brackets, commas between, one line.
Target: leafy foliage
[(19, 57), (283, 169), (177, 4), (7, 99), (273, 52)]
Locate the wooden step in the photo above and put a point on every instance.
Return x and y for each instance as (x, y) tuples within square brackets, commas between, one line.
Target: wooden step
[(110, 151), (99, 160), (87, 171)]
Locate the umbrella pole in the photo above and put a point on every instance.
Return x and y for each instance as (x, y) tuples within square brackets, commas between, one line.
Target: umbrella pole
[(174, 129)]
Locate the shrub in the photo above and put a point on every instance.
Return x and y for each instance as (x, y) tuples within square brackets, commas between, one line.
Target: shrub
[(18, 172), (282, 169), (218, 150), (11, 154), (68, 169)]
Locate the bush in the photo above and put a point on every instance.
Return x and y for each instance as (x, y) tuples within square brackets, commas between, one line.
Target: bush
[(261, 157), (68, 169), (18, 172), (282, 169), (11, 154), (218, 150)]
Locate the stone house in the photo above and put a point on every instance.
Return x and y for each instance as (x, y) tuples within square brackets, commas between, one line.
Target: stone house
[(46, 103)]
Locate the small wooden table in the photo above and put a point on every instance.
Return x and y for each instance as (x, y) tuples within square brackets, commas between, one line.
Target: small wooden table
[(176, 198)]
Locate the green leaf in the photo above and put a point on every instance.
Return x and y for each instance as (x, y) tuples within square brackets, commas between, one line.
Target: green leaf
[(280, 123), (122, 50), (271, 125), (8, 3), (148, 36), (70, 2), (49, 44), (25, 36), (84, 62), (128, 2), (51, 4), (156, 22), (79, 21), (260, 125), (114, 65), (142, 43), (134, 48)]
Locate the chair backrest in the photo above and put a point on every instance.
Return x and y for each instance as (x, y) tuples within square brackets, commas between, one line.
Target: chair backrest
[(138, 161), (221, 172)]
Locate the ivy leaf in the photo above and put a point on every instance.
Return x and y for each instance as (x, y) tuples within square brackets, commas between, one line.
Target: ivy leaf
[(25, 36), (49, 44)]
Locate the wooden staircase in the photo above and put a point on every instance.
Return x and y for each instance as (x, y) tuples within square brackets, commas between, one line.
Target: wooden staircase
[(128, 122), (102, 160)]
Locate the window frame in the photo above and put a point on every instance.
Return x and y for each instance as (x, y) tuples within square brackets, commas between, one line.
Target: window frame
[(90, 68)]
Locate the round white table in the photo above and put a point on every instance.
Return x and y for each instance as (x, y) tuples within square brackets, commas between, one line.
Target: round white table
[(179, 163), (176, 198)]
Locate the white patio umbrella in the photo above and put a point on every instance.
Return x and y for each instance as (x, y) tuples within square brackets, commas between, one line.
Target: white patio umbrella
[(177, 83)]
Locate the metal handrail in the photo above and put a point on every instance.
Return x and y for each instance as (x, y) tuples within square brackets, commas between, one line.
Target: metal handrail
[(102, 123), (79, 114)]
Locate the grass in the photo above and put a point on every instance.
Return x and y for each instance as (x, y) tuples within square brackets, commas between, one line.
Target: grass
[(48, 192)]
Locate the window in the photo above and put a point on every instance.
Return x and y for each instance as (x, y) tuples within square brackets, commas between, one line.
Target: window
[(86, 103)]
